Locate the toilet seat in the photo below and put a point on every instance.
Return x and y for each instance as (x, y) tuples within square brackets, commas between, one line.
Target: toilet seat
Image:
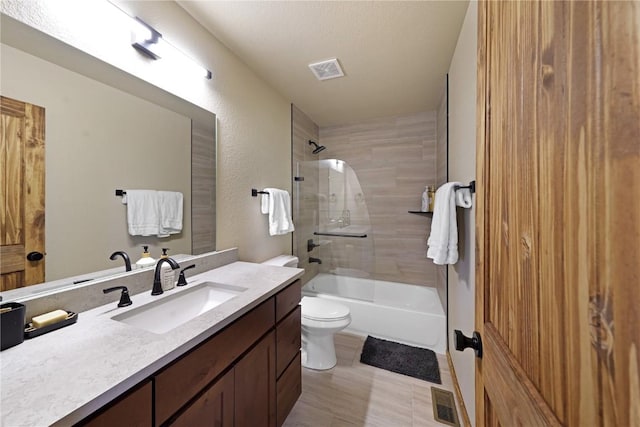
[(322, 310), (325, 325)]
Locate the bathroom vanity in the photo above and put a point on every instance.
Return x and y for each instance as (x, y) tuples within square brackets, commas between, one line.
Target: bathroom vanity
[(247, 375), (236, 364)]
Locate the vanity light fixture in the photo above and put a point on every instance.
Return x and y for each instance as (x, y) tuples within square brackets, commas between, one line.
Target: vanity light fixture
[(149, 42), (146, 39)]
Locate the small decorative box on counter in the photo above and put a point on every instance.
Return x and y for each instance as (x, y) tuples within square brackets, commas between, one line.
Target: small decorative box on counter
[(12, 315)]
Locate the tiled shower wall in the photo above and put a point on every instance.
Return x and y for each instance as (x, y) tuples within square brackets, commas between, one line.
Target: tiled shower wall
[(441, 178), (394, 159), (305, 203)]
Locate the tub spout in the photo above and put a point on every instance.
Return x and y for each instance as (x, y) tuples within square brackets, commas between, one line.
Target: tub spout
[(311, 259)]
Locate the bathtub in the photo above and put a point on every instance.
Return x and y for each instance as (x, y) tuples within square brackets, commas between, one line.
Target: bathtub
[(399, 312)]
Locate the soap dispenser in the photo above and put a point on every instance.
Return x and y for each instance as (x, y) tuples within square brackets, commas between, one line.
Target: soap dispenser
[(146, 260), (425, 200), (167, 275)]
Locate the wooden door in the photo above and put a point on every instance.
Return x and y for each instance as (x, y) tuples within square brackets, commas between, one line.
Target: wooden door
[(21, 193), (558, 214)]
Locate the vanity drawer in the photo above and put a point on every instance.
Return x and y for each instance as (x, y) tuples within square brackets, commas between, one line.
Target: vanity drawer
[(287, 299), (287, 340), (288, 389), (181, 381), (134, 409)]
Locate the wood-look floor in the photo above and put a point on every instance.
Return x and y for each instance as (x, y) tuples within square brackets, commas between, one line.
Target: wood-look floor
[(354, 394)]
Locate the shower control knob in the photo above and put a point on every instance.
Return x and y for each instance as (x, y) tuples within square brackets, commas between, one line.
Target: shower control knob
[(462, 342), (311, 245)]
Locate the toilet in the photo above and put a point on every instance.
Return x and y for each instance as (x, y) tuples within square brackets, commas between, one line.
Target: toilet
[(321, 319)]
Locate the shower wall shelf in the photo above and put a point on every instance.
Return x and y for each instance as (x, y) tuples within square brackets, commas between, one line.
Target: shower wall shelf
[(421, 213)]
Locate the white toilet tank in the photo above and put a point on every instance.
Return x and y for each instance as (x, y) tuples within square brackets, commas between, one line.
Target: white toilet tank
[(283, 261)]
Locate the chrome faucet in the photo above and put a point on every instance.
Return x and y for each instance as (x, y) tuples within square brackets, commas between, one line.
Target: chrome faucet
[(125, 257), (157, 284)]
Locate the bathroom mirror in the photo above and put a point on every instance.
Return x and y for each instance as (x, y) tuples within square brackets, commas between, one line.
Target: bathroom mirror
[(106, 156)]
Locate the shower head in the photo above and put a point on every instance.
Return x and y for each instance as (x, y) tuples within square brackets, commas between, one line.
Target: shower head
[(318, 148)]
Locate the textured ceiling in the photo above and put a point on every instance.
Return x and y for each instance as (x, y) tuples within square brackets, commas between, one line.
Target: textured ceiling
[(395, 54)]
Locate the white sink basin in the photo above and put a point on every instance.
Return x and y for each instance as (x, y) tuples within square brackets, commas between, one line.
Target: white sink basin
[(169, 312)]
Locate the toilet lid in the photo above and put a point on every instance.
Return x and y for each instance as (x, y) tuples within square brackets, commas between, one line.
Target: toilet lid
[(315, 308)]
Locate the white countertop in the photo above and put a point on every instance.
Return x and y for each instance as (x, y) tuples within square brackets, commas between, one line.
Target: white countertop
[(65, 375)]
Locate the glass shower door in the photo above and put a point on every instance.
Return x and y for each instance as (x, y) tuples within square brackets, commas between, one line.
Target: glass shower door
[(332, 213)]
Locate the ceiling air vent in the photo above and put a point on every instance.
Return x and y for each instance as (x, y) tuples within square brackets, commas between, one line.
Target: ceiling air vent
[(326, 70)]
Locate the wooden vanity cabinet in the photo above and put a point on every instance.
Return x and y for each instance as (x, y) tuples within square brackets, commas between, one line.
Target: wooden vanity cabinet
[(248, 374), (215, 405), (244, 396), (184, 379), (133, 409), (288, 389), (288, 340), (255, 385), (288, 343), (288, 299)]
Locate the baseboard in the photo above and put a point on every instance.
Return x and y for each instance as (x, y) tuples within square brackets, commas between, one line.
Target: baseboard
[(456, 387)]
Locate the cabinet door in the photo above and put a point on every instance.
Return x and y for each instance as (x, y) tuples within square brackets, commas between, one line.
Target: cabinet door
[(214, 408), (255, 385), (182, 381), (132, 410)]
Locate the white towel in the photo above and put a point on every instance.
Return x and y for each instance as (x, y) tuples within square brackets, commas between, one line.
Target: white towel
[(280, 221), (142, 212), (264, 204), (463, 198), (170, 212), (443, 240)]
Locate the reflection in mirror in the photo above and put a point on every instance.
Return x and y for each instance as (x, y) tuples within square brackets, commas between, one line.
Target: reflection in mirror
[(117, 132)]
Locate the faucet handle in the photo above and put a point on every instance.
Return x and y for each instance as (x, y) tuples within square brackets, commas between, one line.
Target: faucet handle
[(124, 296), (182, 280), (311, 244)]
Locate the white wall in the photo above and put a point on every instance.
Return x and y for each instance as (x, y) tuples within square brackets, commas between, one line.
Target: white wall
[(254, 123), (462, 167)]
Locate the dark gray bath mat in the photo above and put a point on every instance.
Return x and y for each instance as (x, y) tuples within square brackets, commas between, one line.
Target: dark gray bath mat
[(403, 359)]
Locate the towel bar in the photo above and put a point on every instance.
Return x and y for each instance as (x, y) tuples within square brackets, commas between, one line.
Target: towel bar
[(120, 193), (471, 187), (254, 192), (359, 236)]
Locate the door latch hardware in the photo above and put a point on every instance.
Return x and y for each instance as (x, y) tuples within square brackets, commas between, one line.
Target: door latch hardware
[(35, 256), (462, 342)]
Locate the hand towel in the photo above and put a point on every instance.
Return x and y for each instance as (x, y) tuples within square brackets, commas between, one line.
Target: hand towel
[(280, 221), (463, 198), (264, 204), (170, 212), (443, 240), (142, 212)]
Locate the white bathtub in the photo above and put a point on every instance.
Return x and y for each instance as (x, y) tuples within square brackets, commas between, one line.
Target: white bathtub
[(395, 311)]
